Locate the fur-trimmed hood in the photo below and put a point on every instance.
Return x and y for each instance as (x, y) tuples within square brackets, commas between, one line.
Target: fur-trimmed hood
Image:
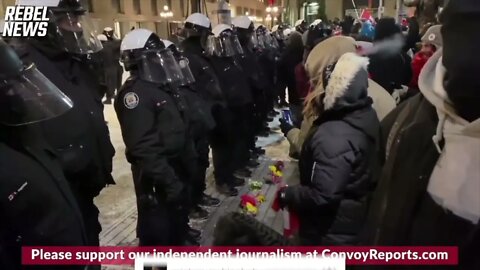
[(348, 83)]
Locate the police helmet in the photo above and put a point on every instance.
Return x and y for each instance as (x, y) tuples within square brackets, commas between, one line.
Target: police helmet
[(70, 28), (144, 53)]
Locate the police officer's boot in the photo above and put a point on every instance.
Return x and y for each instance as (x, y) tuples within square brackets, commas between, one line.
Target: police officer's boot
[(227, 190), (209, 201)]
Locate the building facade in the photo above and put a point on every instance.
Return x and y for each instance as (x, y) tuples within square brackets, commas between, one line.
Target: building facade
[(310, 10), (160, 16)]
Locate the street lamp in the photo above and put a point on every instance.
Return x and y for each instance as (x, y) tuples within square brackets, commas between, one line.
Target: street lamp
[(167, 14), (272, 13)]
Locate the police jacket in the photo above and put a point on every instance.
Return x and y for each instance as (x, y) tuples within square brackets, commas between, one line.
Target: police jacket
[(206, 81), (200, 118), (233, 81), (36, 203), (154, 129), (80, 137), (253, 70)]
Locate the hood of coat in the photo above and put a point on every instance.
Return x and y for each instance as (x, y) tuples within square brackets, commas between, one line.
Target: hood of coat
[(348, 83), (326, 53), (346, 95), (431, 83)]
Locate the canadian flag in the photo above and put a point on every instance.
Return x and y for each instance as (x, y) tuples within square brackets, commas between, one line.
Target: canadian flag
[(367, 16)]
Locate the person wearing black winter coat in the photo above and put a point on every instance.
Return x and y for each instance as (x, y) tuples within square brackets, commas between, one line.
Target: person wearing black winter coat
[(337, 160), (389, 69), (427, 193)]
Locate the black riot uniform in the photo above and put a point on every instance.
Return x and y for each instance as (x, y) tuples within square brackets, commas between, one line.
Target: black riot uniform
[(111, 65), (37, 205), (266, 53), (256, 77), (115, 42), (153, 119), (237, 91), (208, 86), (201, 123), (79, 137)]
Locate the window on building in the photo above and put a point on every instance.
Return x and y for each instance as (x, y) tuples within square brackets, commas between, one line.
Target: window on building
[(118, 6), (154, 7), (239, 11), (136, 7)]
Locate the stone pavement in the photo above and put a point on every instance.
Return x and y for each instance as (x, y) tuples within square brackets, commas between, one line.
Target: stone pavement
[(118, 208)]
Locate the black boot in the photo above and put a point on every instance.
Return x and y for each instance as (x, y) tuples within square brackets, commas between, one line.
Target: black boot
[(195, 234), (227, 190), (238, 182), (209, 201), (243, 173), (198, 214)]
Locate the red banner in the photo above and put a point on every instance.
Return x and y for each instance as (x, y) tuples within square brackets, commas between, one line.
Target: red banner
[(127, 255)]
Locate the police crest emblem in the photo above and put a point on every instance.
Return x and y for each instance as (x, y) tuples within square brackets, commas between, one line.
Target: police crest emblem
[(131, 100)]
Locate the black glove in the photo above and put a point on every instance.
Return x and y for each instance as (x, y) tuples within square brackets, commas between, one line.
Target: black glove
[(174, 192), (285, 126)]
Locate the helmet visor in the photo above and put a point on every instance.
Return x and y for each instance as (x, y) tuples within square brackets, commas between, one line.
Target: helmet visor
[(77, 33), (227, 45), (160, 66), (30, 98)]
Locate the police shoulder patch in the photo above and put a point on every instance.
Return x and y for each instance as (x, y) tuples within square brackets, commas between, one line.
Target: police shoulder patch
[(131, 100)]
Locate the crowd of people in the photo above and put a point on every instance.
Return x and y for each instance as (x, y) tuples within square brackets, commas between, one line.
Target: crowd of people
[(366, 99)]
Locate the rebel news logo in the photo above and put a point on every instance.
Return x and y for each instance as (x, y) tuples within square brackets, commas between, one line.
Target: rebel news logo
[(25, 21)]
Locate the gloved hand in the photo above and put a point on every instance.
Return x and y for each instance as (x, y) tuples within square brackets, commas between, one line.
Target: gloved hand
[(285, 126), (174, 192)]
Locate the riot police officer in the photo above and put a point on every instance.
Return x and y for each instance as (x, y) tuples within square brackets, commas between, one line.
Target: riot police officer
[(301, 26), (223, 47), (249, 61), (267, 53), (201, 123), (80, 137), (37, 205), (111, 63), (154, 121), (196, 32)]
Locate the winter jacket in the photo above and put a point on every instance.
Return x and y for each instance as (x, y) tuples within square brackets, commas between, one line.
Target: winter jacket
[(292, 56), (337, 159), (383, 104), (324, 54), (403, 212), (391, 71)]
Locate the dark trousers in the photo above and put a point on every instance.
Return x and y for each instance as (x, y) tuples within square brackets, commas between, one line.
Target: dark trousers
[(244, 134), (89, 210), (198, 184), (158, 223), (111, 81), (222, 144)]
